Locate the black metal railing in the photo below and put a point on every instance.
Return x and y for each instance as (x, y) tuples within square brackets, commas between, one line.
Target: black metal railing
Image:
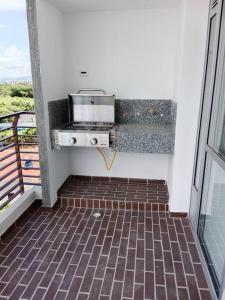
[(19, 155)]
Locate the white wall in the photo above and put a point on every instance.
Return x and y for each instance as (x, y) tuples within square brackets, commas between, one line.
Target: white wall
[(129, 53), (50, 28), (133, 165), (188, 94)]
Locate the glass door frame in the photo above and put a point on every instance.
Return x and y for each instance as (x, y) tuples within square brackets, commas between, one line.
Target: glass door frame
[(207, 105)]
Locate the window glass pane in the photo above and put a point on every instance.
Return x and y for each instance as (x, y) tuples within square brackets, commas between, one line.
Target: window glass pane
[(212, 220), (207, 93), (217, 126)]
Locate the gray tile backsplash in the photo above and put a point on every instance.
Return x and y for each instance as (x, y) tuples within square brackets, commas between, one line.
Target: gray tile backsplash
[(58, 113), (58, 116)]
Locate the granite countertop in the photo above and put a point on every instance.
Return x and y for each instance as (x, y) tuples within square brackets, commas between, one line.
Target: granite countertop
[(148, 138), (143, 126)]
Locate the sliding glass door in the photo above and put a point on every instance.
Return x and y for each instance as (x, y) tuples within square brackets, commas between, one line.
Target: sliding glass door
[(208, 190)]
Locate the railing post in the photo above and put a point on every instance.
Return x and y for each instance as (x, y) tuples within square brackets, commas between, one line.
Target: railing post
[(17, 150), (12, 185)]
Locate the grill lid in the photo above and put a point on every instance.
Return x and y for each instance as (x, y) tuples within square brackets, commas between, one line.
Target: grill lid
[(92, 108)]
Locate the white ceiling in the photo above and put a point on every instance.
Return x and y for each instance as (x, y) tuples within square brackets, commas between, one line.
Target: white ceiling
[(100, 5)]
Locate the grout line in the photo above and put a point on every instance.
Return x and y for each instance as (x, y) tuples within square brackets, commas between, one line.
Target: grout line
[(126, 217), (182, 262), (96, 267), (196, 281), (88, 264), (74, 252), (8, 267), (124, 274), (102, 246), (90, 254), (55, 273), (175, 274), (164, 269), (38, 265), (23, 259), (114, 275), (145, 249)]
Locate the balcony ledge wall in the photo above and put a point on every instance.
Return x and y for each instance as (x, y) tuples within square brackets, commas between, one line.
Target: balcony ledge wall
[(9, 215)]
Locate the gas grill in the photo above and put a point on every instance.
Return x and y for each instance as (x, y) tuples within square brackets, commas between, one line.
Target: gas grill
[(92, 118)]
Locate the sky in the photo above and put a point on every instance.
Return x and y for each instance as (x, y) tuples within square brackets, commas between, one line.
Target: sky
[(14, 44)]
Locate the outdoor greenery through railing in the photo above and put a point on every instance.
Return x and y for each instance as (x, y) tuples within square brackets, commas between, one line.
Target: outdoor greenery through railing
[(19, 156)]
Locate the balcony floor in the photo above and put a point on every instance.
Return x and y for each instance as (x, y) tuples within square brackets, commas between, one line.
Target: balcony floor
[(66, 253)]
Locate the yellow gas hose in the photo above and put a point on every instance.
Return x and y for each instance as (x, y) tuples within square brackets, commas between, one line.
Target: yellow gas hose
[(108, 166)]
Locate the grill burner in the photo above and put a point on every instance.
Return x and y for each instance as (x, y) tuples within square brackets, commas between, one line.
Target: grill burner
[(88, 127)]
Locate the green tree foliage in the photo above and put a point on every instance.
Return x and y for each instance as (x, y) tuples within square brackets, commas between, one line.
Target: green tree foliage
[(14, 98), (28, 135), (24, 91), (13, 104)]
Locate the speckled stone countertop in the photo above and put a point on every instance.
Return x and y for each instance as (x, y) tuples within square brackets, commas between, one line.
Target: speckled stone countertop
[(151, 138), (145, 126)]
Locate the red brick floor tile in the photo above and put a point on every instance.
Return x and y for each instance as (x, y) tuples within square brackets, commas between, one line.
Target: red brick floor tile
[(160, 293), (149, 285), (117, 290), (121, 255), (171, 287), (94, 192), (183, 294)]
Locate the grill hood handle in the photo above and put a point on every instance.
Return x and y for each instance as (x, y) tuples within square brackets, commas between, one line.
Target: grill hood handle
[(92, 90)]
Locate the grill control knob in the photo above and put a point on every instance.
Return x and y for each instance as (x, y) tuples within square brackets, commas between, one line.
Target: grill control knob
[(73, 141), (94, 141)]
